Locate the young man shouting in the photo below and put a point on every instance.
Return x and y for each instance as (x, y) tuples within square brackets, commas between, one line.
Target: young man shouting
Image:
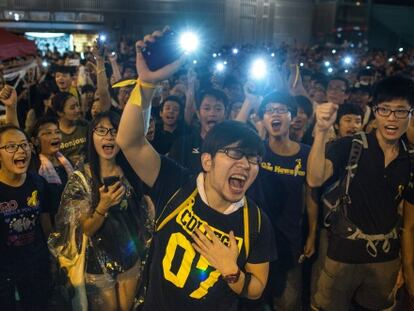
[(208, 249), (363, 256)]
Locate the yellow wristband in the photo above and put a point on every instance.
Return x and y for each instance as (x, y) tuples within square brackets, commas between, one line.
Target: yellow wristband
[(146, 85)]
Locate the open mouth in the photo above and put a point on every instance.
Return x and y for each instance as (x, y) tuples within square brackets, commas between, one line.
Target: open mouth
[(276, 124), (391, 129), (55, 143), (20, 162), (237, 182), (108, 148)]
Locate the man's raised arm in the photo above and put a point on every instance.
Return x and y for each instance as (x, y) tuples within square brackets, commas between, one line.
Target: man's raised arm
[(131, 134)]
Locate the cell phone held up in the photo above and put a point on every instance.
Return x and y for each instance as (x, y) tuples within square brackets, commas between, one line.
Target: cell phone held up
[(163, 51), (109, 181)]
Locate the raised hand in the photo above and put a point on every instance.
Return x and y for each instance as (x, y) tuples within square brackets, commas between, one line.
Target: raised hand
[(220, 256), (325, 116), (161, 74), (8, 96)]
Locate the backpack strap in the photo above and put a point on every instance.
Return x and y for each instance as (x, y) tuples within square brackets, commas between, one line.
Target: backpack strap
[(182, 197), (359, 142), (252, 221)]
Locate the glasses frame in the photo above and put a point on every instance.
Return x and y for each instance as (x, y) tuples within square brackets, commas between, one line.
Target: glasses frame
[(17, 146), (227, 151), (113, 131), (391, 111), (276, 111)]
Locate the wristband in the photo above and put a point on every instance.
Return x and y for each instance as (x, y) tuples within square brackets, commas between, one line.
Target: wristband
[(100, 214), (247, 279), (232, 278), (135, 98), (146, 85)]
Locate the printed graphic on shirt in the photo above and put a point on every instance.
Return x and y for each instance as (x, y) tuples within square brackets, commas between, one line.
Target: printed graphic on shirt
[(183, 265), (21, 222), (295, 171)]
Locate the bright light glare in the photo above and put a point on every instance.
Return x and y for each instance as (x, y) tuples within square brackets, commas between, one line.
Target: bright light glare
[(45, 34), (273, 54), (258, 69), (214, 55), (401, 50), (82, 55), (327, 63), (330, 70), (225, 62), (346, 70), (333, 51), (189, 42), (44, 63), (219, 67), (301, 64), (390, 60), (347, 60), (102, 38), (235, 51), (368, 67), (194, 61)]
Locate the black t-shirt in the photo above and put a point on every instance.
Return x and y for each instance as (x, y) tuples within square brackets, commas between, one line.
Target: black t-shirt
[(187, 151), (375, 193), (20, 228), (163, 140), (180, 279), (279, 190)]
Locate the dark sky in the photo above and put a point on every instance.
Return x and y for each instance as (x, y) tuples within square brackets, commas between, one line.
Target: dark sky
[(395, 2)]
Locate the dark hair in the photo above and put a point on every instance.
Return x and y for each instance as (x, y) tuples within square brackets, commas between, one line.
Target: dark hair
[(9, 127), (42, 92), (175, 99), (304, 103), (42, 121), (347, 109), (344, 80), (93, 158), (219, 95), (283, 98), (230, 132), (394, 87), (87, 88), (59, 100), (365, 72)]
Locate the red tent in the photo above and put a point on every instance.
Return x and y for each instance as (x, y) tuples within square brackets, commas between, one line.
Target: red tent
[(14, 46)]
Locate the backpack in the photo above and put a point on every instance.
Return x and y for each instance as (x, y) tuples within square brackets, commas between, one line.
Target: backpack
[(336, 199)]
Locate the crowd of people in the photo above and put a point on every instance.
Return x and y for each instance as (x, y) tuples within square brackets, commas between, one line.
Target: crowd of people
[(197, 187)]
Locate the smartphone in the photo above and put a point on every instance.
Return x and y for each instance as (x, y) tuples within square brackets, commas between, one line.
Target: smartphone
[(110, 180), (163, 51)]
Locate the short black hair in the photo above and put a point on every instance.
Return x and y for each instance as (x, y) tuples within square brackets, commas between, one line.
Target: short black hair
[(87, 88), (347, 109), (219, 95), (283, 98), (59, 100), (394, 87), (173, 98), (229, 132), (304, 103), (42, 121), (9, 127)]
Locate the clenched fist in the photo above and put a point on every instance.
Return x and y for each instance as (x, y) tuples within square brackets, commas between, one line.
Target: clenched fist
[(325, 116)]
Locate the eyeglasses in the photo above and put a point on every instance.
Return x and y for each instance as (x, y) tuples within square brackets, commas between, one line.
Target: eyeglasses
[(277, 110), (103, 131), (12, 148), (238, 154), (398, 113)]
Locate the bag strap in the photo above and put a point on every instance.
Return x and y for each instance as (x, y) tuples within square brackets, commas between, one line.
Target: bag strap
[(252, 221), (359, 142)]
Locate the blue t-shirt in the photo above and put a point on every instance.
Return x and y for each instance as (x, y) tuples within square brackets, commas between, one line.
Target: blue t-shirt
[(279, 190)]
